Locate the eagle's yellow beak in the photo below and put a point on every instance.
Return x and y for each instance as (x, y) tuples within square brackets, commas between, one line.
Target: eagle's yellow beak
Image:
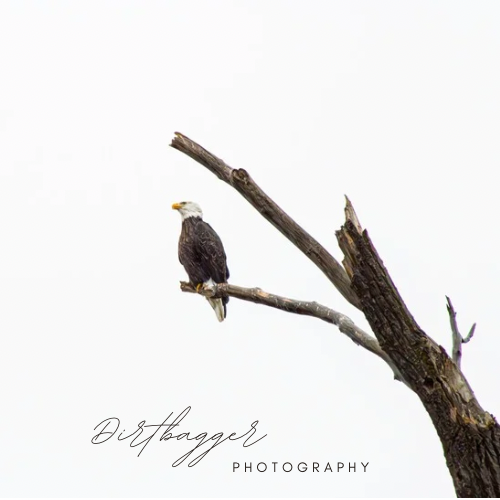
[(176, 206)]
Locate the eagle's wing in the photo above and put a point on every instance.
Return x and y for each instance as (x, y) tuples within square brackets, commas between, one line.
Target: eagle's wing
[(211, 253)]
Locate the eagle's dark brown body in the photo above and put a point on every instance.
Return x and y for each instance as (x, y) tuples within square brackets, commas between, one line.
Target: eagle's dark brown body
[(202, 254)]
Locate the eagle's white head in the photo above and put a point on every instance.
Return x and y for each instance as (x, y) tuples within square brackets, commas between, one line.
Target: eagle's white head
[(188, 209)]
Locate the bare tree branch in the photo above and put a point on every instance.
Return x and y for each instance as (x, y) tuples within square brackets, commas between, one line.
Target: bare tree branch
[(245, 185), (457, 339), (259, 296), (470, 436)]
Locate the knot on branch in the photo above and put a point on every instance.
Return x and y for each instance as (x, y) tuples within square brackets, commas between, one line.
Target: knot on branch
[(241, 175)]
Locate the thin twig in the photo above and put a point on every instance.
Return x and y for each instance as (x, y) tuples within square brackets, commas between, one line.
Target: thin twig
[(470, 334), (245, 185), (259, 296), (457, 339)]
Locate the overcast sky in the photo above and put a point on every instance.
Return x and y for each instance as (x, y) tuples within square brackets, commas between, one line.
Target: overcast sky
[(394, 103)]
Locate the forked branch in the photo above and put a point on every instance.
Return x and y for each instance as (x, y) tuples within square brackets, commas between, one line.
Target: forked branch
[(245, 185), (457, 339), (259, 296)]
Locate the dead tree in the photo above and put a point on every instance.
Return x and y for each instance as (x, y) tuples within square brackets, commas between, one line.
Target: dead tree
[(470, 436)]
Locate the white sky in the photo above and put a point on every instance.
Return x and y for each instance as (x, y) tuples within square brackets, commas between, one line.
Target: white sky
[(394, 103)]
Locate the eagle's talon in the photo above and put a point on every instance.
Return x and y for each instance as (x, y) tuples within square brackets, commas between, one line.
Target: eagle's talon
[(198, 287)]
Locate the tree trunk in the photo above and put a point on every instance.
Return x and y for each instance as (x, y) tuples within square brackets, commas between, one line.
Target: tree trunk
[(470, 436)]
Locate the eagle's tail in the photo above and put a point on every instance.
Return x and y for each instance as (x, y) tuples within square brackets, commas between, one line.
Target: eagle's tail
[(219, 308), (219, 305)]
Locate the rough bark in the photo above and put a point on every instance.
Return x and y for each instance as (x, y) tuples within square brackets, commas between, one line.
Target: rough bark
[(469, 435)]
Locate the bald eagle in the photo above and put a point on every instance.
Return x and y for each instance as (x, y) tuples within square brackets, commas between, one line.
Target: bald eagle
[(201, 253)]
